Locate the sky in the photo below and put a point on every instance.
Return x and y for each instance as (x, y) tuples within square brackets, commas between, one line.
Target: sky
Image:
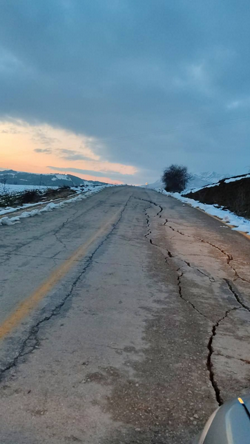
[(117, 90)]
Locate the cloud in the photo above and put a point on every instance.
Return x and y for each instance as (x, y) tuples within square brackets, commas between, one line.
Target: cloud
[(12, 130), (43, 150), (105, 168), (39, 136), (74, 155), (60, 145), (98, 174), (150, 81), (79, 171), (241, 103)]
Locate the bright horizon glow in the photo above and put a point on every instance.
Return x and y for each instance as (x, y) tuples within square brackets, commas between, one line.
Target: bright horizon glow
[(43, 149)]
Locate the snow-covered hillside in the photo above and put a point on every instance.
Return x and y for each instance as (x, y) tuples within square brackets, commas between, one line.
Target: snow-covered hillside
[(16, 181), (198, 180), (154, 185), (202, 179)]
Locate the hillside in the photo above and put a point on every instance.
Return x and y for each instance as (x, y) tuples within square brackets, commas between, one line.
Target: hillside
[(197, 180), (11, 177), (231, 193)]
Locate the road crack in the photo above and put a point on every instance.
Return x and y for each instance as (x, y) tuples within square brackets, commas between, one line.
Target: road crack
[(59, 229), (210, 366), (179, 276), (170, 255), (229, 257), (152, 203), (32, 341), (215, 326), (237, 297)]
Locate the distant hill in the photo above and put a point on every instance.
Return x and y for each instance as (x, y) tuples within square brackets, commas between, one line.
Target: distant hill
[(199, 180), (11, 177)]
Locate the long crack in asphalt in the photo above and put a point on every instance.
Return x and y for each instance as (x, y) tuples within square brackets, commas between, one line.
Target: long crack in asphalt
[(32, 341), (180, 274), (235, 294), (229, 257), (215, 386)]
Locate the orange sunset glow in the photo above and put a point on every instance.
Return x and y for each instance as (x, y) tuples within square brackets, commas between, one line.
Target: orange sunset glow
[(45, 149)]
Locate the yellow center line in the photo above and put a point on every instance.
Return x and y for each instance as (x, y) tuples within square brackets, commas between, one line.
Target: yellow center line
[(25, 307)]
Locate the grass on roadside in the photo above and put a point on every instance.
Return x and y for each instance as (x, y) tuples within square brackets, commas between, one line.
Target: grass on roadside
[(33, 196)]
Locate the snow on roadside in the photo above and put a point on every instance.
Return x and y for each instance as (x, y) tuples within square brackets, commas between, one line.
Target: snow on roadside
[(11, 189), (49, 207), (8, 210), (216, 184), (194, 190), (237, 222), (235, 179)]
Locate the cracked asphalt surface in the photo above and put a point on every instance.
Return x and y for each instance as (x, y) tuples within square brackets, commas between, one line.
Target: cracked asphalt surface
[(124, 319)]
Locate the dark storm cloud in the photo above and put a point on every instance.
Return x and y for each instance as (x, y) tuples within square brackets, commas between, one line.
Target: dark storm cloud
[(157, 81)]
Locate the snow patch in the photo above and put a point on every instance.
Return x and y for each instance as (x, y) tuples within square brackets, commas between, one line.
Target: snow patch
[(49, 207), (235, 179), (237, 222), (11, 189), (62, 177)]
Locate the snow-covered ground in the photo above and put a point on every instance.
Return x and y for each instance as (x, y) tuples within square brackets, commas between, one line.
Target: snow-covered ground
[(11, 189), (61, 177), (48, 207), (235, 179), (207, 180), (237, 222), (200, 180)]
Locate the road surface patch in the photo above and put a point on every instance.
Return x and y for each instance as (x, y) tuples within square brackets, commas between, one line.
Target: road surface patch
[(25, 308)]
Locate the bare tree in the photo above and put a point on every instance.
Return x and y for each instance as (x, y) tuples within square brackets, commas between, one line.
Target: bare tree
[(175, 178)]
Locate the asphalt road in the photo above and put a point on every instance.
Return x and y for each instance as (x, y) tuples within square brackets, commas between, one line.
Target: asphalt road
[(124, 318)]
